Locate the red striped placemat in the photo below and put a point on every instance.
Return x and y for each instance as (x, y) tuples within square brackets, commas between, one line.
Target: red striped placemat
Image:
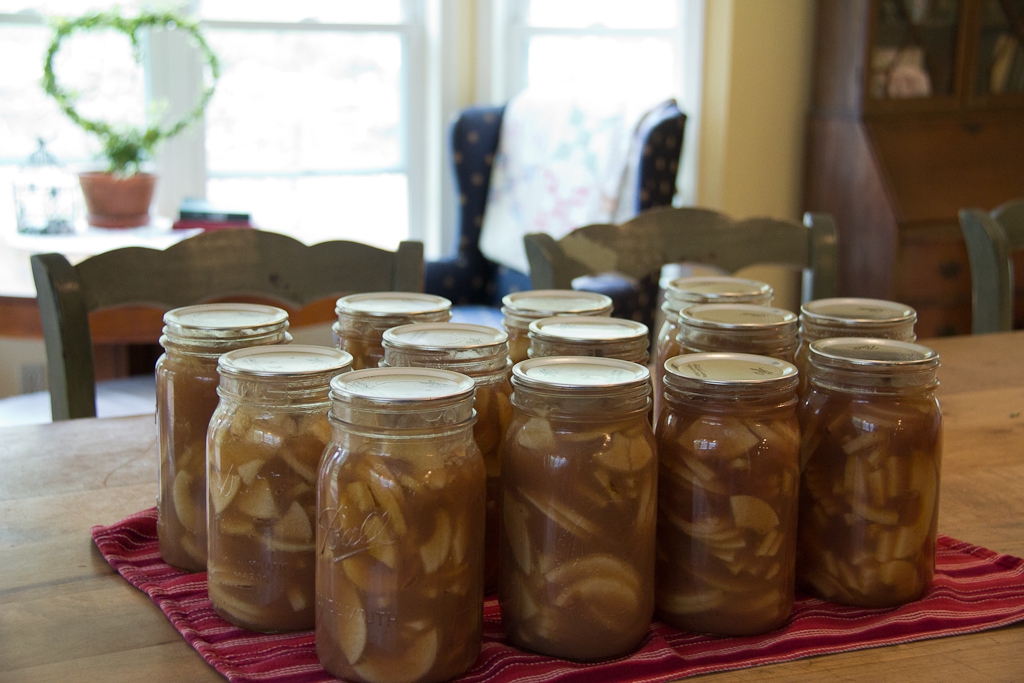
[(974, 589)]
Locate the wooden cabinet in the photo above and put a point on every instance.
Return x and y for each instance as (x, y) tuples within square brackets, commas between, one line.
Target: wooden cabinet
[(917, 112)]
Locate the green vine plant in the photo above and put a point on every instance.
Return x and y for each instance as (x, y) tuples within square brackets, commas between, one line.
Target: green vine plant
[(126, 146)]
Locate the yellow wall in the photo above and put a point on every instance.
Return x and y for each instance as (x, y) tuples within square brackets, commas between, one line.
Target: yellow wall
[(757, 76), (757, 73)]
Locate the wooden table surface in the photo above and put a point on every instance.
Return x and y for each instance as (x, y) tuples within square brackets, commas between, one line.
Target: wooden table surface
[(65, 615)]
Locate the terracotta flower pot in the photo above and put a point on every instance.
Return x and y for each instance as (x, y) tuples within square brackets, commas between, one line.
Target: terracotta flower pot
[(115, 202)]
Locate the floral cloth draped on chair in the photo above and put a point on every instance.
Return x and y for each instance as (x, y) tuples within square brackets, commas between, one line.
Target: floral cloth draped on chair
[(563, 161)]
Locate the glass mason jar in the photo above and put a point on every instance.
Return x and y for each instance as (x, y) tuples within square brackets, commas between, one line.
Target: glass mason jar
[(481, 353), (849, 317), (738, 328), (362, 319), (265, 444), (400, 532), (689, 291), (869, 482), (522, 308), (579, 505), (194, 337), (589, 336), (729, 461)]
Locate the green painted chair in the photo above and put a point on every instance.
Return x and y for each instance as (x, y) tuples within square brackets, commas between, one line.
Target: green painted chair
[(212, 265), (639, 248), (991, 240)]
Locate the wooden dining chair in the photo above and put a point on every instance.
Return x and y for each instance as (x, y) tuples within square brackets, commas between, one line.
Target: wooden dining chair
[(991, 240), (639, 247), (213, 265)]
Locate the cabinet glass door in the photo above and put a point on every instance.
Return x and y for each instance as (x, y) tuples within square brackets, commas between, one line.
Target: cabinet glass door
[(913, 54), (1000, 56)]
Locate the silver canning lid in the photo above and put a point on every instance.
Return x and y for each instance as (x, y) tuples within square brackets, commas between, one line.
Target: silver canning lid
[(391, 304), (544, 303), (738, 317), (867, 354), (716, 290), (404, 386), (730, 370), (224, 324), (224, 317), (579, 372), (855, 312), (587, 329), (293, 360), (444, 337)]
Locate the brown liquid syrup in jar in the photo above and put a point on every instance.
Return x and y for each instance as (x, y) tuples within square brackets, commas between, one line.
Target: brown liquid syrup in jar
[(869, 484), (851, 317), (594, 336), (266, 441), (481, 353), (728, 454), (194, 337), (522, 308), (400, 539), (579, 503), (688, 291), (363, 318)]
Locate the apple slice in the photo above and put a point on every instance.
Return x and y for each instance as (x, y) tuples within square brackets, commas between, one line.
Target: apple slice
[(402, 666), (611, 602), (536, 435), (753, 513), (184, 506), (514, 516), (691, 603), (347, 621), (223, 490), (435, 551), (257, 501)]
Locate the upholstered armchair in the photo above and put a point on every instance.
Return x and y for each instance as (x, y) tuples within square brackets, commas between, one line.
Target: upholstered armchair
[(472, 281)]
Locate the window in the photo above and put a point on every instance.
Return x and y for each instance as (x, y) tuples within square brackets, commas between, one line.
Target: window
[(311, 128), (28, 114), (329, 118), (645, 50), (315, 128)]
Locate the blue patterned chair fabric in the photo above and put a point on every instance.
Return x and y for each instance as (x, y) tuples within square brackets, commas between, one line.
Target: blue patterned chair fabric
[(474, 283)]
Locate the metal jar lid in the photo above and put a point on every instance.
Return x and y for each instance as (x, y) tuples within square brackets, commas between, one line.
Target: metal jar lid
[(475, 350), (871, 355), (444, 337), (857, 313), (739, 317), (544, 303), (288, 361), (224, 326), (392, 305), (385, 387), (712, 289), (579, 373), (702, 371), (584, 328)]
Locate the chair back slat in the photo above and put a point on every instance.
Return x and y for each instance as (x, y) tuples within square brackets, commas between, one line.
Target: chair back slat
[(641, 246)]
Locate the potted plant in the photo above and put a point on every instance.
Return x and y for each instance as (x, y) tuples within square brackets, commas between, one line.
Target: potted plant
[(120, 196)]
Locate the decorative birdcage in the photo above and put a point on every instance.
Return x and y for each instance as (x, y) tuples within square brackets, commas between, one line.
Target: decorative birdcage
[(46, 195)]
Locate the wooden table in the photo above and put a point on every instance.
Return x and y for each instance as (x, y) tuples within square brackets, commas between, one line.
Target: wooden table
[(65, 615)]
